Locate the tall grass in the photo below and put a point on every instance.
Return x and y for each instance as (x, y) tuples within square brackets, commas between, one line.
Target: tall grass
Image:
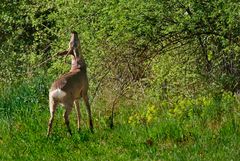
[(204, 128)]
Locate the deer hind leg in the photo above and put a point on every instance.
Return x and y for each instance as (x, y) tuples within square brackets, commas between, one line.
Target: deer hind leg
[(86, 101), (78, 113), (52, 108), (66, 117)]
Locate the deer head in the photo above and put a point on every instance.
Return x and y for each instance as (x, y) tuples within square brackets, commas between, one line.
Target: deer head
[(74, 50)]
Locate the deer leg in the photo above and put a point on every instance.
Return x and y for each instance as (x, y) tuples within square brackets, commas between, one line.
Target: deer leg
[(86, 101), (66, 117), (78, 113), (52, 107)]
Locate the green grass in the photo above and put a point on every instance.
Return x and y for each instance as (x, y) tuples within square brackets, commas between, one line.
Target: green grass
[(146, 132)]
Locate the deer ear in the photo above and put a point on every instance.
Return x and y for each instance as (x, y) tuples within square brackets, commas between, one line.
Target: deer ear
[(62, 53)]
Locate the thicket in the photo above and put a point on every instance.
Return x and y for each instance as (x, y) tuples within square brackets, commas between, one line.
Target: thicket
[(183, 45)]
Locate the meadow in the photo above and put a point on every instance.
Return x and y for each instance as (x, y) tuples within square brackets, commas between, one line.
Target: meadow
[(204, 128)]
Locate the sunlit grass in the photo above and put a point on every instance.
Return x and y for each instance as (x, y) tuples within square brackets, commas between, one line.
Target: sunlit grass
[(144, 132)]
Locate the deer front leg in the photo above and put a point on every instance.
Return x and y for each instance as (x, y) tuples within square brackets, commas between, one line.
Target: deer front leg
[(86, 101), (66, 117), (77, 107)]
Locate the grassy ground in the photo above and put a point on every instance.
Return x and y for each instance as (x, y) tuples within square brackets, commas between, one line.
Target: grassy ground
[(203, 129)]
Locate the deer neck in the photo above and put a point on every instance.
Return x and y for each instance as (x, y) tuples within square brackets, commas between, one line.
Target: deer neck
[(78, 63)]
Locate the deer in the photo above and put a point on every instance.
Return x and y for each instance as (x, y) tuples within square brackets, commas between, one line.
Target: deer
[(70, 87)]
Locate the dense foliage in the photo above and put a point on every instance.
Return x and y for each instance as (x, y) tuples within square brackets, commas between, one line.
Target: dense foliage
[(168, 70), (125, 39)]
